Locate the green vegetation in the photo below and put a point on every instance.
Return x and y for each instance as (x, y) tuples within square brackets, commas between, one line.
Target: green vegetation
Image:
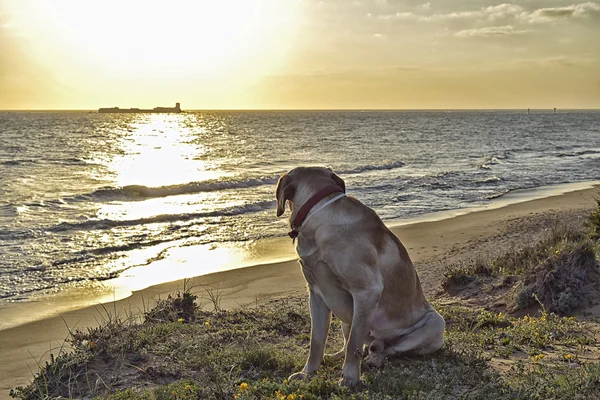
[(178, 351), (248, 354), (594, 222)]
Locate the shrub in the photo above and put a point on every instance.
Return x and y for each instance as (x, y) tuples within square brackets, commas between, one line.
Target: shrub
[(62, 376), (562, 281), (461, 274), (182, 306), (593, 222)]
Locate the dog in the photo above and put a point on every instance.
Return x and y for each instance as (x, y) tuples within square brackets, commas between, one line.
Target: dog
[(357, 269)]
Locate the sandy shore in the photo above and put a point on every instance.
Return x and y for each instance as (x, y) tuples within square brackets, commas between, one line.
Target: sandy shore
[(432, 245)]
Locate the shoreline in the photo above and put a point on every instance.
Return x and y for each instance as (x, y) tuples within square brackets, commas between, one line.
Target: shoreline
[(24, 346), (509, 198), (245, 255)]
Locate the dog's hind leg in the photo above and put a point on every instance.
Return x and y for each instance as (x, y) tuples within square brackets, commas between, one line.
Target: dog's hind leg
[(364, 303), (424, 340)]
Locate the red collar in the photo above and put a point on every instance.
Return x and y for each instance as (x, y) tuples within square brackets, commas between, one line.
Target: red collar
[(305, 209)]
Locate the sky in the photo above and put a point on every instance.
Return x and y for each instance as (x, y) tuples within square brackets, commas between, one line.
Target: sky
[(299, 54)]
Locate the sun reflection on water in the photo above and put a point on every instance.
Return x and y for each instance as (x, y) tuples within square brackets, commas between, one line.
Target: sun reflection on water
[(161, 150), (159, 153)]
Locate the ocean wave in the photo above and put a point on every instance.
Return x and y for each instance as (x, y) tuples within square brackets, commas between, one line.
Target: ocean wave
[(579, 153), (8, 291), (63, 161), (66, 161), (141, 192), (487, 180), (17, 162), (6, 235), (163, 218), (499, 194), (366, 168), (488, 161)]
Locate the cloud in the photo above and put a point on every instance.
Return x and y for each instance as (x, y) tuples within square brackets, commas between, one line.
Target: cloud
[(554, 61), (398, 15), (490, 13), (573, 11), (350, 72), (492, 31), (505, 11)]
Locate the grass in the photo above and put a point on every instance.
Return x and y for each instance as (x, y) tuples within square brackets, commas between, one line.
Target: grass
[(248, 354), (179, 351), (594, 222)]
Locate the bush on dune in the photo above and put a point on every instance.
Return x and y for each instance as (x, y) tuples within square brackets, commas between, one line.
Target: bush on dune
[(563, 281), (561, 272), (594, 222)]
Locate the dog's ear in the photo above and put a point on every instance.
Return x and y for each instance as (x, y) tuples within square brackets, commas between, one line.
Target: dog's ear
[(285, 191), (339, 181)]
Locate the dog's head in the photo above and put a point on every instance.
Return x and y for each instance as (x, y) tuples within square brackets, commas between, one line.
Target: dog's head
[(306, 181)]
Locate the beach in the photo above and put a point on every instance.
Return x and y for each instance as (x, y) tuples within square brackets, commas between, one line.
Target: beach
[(432, 246)]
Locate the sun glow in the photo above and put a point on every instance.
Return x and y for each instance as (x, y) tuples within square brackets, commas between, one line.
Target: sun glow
[(161, 37), (178, 45)]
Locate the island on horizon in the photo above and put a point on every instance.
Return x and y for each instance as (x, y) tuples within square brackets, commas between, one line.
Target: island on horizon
[(176, 109)]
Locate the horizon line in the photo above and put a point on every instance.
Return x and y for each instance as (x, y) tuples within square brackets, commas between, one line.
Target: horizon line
[(324, 109)]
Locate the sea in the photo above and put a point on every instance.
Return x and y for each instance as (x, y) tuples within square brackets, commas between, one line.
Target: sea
[(87, 199)]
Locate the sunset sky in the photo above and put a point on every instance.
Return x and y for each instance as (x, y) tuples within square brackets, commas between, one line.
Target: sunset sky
[(365, 54)]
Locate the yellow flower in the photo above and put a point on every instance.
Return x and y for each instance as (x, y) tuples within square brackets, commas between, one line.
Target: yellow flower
[(569, 356), (537, 357), (180, 320), (285, 381), (291, 396), (207, 324), (243, 387), (279, 395)]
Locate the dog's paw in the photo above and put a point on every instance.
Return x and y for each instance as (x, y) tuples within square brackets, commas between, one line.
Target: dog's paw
[(350, 374), (299, 376), (377, 346), (375, 360), (349, 381)]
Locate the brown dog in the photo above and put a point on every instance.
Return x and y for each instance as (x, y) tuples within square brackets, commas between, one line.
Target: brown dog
[(356, 268)]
